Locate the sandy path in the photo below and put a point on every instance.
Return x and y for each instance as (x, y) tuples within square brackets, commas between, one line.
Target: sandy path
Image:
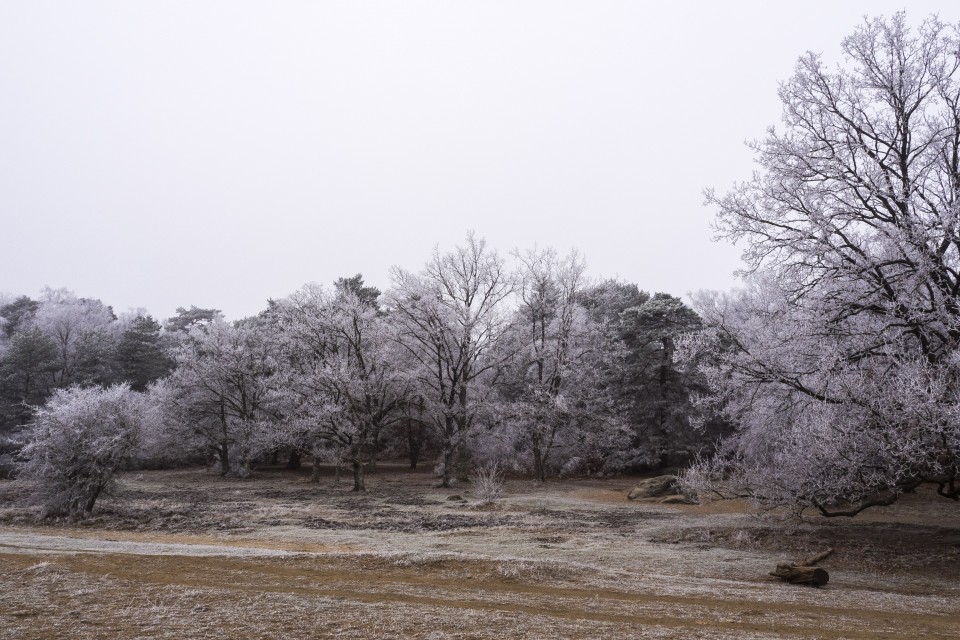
[(37, 544), (71, 587)]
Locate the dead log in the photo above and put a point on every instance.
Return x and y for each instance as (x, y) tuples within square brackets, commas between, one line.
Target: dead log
[(814, 576), (803, 572), (815, 558), (653, 488)]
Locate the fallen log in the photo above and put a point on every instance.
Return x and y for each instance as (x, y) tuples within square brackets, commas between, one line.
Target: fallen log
[(814, 576), (803, 572), (653, 488), (815, 558)]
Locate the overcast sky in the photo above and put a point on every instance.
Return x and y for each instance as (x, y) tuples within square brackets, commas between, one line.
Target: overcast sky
[(163, 154)]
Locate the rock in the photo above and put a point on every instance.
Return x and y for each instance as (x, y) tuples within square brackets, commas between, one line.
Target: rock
[(456, 498), (654, 488)]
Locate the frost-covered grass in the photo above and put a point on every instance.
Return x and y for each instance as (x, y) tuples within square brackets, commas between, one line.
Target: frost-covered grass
[(275, 555)]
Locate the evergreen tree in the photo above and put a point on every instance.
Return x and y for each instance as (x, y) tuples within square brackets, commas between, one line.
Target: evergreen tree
[(140, 358), (27, 372)]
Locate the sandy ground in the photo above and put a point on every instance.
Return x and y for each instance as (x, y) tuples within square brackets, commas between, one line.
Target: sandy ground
[(185, 554)]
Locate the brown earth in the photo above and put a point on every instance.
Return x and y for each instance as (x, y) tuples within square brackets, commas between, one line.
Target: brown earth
[(184, 554)]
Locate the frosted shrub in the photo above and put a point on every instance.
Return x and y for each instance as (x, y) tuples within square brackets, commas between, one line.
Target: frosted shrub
[(703, 479), (487, 482), (76, 443)]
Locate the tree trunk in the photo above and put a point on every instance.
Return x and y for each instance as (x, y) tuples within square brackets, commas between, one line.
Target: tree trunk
[(539, 470), (358, 476), (447, 479), (414, 442), (463, 463), (88, 507), (224, 459), (224, 444), (294, 461)]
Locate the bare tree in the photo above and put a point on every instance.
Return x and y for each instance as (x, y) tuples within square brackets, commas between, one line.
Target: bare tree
[(81, 328), (452, 322), (343, 383), (859, 194), (840, 363), (556, 341), (221, 390)]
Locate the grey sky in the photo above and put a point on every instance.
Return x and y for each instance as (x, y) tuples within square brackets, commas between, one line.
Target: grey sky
[(162, 154)]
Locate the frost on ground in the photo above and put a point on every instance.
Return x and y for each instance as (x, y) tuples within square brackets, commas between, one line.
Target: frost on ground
[(185, 554)]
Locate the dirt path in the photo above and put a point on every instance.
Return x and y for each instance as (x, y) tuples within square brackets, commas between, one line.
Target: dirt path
[(59, 586), (41, 545)]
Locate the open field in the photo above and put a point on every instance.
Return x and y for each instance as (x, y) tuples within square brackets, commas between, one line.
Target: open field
[(185, 554)]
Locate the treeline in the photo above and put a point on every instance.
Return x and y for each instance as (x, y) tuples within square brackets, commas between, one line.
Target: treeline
[(61, 340), (475, 358)]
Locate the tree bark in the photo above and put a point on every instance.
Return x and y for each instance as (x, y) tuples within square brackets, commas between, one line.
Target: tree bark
[(88, 507), (414, 459), (224, 459), (463, 463), (414, 442), (358, 476), (813, 576), (539, 470), (803, 572), (294, 461), (447, 480), (880, 500)]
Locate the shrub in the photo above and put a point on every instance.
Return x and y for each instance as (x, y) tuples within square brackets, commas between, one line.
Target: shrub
[(76, 443), (487, 482)]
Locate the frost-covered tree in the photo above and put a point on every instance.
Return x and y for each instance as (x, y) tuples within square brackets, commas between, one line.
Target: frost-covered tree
[(340, 380), (653, 392), (553, 380), (17, 314), (177, 327), (27, 375), (186, 319), (77, 442), (139, 356), (219, 394), (840, 365), (81, 328), (451, 324)]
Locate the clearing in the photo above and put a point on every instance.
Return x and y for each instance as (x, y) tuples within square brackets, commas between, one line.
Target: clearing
[(186, 554)]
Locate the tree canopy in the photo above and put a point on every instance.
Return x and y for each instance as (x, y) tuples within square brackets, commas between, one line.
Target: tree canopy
[(840, 362)]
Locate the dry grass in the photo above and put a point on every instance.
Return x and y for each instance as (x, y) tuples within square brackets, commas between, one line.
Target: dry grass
[(185, 554), (487, 483)]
